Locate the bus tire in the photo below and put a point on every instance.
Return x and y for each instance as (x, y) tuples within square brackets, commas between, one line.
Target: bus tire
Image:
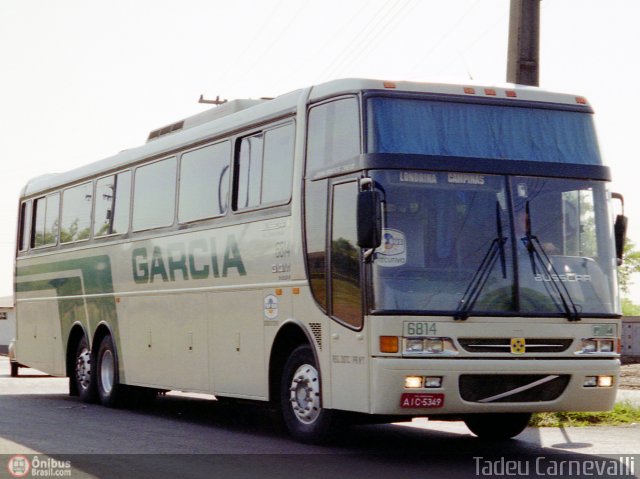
[(82, 372), (110, 391), (497, 426), (301, 398)]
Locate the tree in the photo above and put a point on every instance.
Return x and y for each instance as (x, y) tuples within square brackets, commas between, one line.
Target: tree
[(630, 265), (630, 309)]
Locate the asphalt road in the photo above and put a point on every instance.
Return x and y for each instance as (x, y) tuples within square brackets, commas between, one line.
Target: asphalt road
[(181, 436)]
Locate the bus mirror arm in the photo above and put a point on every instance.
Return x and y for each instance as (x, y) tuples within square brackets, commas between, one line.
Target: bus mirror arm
[(620, 229), (369, 219)]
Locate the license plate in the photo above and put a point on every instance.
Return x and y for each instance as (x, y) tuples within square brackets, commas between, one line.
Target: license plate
[(421, 401), (420, 328)]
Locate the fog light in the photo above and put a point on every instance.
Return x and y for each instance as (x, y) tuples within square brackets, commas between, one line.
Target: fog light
[(590, 382), (433, 382), (605, 381), (413, 382)]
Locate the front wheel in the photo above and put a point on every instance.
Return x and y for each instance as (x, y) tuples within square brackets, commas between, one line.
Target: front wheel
[(301, 398), (496, 426)]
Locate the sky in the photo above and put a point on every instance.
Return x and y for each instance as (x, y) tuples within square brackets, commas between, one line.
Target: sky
[(81, 80)]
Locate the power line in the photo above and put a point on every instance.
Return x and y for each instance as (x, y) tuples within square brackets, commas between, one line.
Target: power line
[(446, 35), (473, 42), (380, 33), (381, 17), (333, 38), (258, 33)]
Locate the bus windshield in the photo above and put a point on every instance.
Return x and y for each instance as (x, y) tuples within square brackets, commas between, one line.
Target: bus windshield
[(462, 244), (472, 130)]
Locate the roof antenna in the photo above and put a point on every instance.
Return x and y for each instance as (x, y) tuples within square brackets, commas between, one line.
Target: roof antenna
[(216, 102)]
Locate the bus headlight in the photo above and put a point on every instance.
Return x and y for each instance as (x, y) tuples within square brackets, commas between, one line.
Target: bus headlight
[(595, 345), (428, 346), (414, 346)]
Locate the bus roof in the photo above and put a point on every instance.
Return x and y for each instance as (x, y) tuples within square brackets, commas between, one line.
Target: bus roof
[(239, 114)]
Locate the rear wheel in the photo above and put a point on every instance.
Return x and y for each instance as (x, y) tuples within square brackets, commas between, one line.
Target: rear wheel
[(110, 392), (84, 384), (301, 398), (495, 426)]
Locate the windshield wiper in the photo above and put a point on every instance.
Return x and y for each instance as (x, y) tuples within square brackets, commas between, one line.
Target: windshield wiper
[(537, 253), (481, 276)]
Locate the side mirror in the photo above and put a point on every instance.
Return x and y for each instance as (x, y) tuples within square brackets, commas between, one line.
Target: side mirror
[(369, 219), (620, 229)]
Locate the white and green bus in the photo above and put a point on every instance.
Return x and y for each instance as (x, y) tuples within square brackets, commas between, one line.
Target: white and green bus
[(359, 249)]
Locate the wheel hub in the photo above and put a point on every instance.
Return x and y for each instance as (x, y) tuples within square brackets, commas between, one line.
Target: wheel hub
[(305, 394), (107, 371), (83, 368)]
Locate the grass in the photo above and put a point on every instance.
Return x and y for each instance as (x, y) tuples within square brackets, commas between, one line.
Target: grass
[(623, 413)]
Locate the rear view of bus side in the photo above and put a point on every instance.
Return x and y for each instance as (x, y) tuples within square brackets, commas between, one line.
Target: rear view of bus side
[(358, 249)]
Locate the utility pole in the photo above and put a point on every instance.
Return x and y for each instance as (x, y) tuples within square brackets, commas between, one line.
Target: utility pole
[(523, 57)]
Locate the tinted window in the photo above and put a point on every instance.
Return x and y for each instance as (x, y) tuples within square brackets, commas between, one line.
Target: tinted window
[(154, 196), (345, 257), (113, 198), (316, 232), (76, 213), (45, 221), (204, 182), (481, 131), (334, 134)]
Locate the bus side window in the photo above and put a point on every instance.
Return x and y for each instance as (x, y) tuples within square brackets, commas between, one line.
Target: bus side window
[(204, 182), (265, 168), (23, 232), (154, 196), (249, 172), (113, 198), (277, 168), (334, 134), (44, 230), (75, 224)]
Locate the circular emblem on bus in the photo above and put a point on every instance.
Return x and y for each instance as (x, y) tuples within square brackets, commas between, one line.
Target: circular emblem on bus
[(19, 466), (270, 306)]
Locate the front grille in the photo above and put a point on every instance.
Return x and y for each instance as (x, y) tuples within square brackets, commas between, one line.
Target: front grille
[(503, 388), (503, 345)]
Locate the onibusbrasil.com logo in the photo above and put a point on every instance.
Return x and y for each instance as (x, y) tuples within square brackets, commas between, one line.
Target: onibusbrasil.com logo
[(22, 466)]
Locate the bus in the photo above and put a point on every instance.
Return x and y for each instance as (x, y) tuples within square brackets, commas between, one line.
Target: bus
[(359, 250)]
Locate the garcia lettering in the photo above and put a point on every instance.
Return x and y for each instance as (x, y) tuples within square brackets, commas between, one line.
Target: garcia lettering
[(195, 260)]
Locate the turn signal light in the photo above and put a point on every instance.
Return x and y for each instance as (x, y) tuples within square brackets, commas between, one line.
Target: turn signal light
[(389, 344)]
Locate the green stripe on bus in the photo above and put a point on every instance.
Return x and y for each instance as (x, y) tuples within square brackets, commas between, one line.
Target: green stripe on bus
[(74, 280)]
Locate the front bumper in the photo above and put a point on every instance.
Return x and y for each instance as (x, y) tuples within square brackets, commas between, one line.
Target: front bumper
[(570, 394)]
